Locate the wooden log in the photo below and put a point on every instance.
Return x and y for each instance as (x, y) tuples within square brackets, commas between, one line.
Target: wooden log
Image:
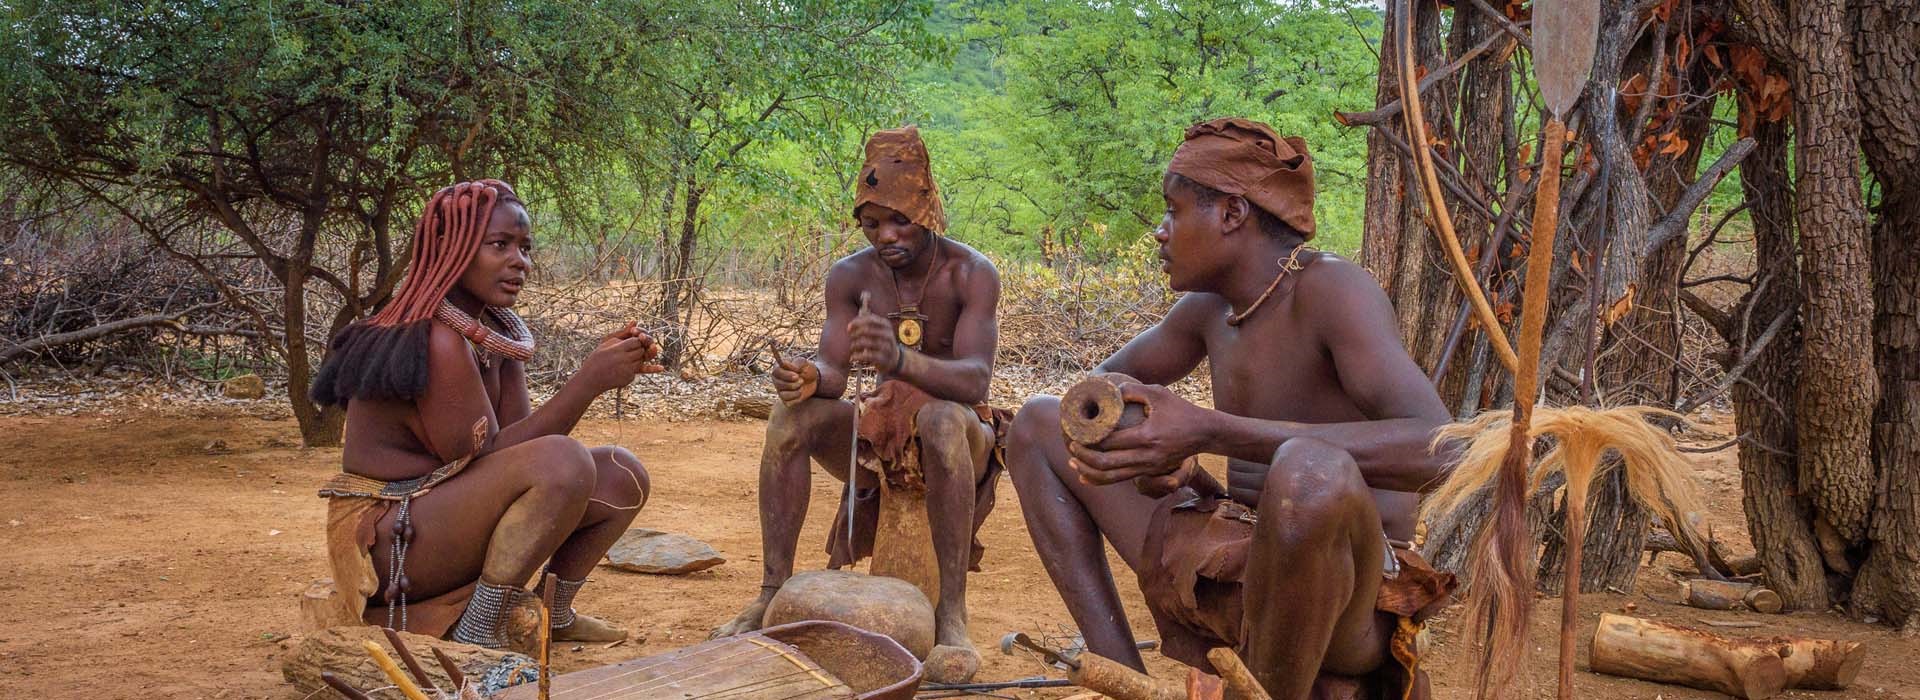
[(903, 540), (1731, 595), (1818, 664), (1238, 677), (1115, 680), (1093, 408), (1636, 648), (339, 651), (322, 606)]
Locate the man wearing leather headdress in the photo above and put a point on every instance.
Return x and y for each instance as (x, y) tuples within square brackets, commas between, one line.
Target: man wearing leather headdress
[(919, 309)]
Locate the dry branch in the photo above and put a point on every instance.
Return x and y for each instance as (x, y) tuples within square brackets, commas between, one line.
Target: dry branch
[(171, 320)]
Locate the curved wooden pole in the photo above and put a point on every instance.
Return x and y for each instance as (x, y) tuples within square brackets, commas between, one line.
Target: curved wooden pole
[(1415, 122)]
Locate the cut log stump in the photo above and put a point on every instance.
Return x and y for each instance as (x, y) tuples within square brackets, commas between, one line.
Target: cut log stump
[(1818, 664), (1731, 595), (1751, 668), (322, 607), (339, 651)]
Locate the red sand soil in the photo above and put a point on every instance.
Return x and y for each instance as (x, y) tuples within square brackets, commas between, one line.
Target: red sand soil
[(139, 562)]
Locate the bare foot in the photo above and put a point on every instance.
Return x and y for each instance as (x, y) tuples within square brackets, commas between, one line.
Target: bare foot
[(749, 618), (587, 628), (953, 659)]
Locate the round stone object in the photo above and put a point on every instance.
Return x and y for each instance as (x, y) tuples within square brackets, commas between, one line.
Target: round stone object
[(878, 604)]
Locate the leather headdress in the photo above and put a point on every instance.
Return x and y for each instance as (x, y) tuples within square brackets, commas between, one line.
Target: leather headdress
[(1244, 157), (898, 175)]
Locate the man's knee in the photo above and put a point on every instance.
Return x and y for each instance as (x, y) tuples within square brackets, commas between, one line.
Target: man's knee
[(790, 426), (563, 464), (1312, 477), (941, 420), (1036, 426)]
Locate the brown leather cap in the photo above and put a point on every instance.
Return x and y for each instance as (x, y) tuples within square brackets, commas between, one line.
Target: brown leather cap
[(1246, 158), (899, 176)]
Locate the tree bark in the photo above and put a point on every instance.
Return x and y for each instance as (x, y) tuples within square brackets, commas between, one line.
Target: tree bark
[(1837, 393), (1486, 113), (1779, 515), (678, 284), (1887, 57), (1398, 246)]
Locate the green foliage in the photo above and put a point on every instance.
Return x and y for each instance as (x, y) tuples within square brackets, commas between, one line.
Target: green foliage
[(1067, 137)]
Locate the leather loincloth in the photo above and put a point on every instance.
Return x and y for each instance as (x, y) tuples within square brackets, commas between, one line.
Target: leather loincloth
[(889, 444), (355, 506), (1193, 565)]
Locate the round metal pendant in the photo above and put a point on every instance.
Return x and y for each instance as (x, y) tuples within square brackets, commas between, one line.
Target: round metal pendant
[(908, 332)]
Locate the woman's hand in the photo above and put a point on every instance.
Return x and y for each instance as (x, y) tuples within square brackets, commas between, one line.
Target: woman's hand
[(620, 356)]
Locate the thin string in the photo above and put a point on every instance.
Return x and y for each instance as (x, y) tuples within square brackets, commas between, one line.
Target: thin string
[(636, 488), (1288, 266)]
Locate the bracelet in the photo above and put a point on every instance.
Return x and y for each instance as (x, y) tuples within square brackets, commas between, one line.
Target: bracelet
[(899, 358)]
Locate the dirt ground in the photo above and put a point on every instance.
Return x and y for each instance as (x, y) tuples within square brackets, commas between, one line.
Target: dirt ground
[(158, 554)]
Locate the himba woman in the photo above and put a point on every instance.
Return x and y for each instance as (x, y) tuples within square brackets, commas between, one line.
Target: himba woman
[(454, 491)]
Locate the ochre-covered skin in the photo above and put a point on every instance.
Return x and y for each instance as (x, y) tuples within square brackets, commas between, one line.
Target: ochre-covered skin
[(1322, 415), (530, 496), (911, 272)]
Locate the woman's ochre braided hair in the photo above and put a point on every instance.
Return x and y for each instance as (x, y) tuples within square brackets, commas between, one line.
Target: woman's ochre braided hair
[(385, 357)]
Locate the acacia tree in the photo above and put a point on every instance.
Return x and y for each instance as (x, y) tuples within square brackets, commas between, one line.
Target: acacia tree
[(303, 131), (815, 75), (1096, 96)]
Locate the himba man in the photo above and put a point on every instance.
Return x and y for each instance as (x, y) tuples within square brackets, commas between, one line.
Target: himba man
[(919, 308), (1300, 562)]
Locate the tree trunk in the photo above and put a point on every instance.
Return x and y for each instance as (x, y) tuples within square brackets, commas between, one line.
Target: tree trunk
[(1398, 246), (1779, 515), (1837, 393), (679, 285), (1886, 39), (1486, 115)]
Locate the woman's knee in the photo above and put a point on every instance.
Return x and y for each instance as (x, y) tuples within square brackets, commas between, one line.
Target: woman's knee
[(561, 464), (621, 475)]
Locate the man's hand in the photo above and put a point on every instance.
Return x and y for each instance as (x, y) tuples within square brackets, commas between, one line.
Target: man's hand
[(794, 380), (1174, 429), (621, 355), (872, 338)]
